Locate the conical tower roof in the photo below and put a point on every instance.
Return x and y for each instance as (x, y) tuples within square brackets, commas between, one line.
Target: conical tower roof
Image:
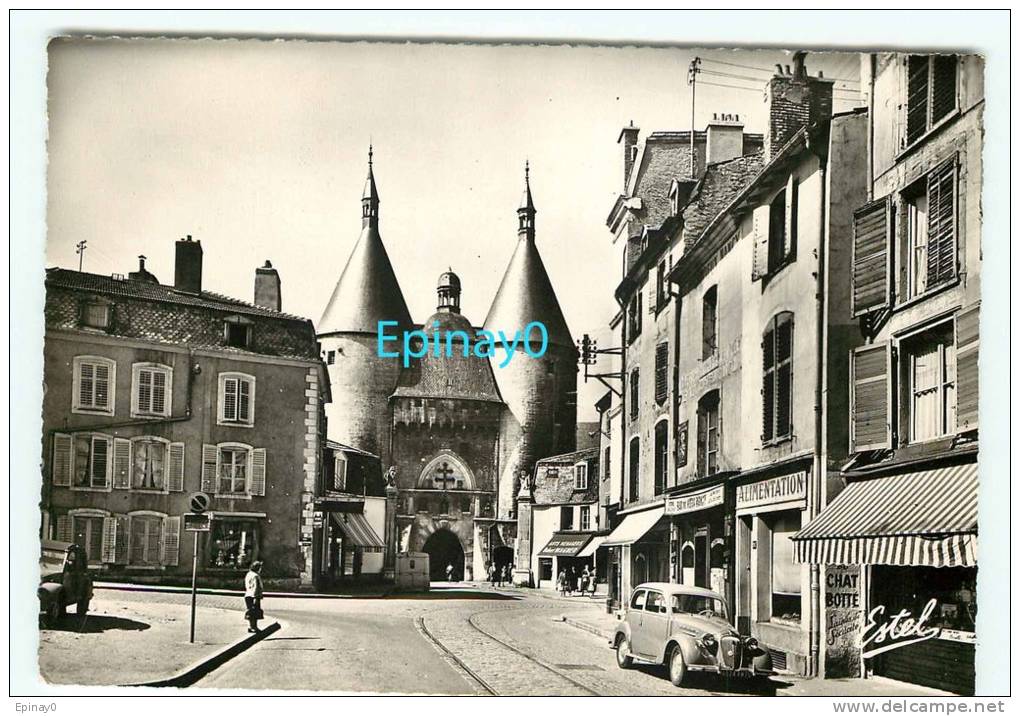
[(526, 294), (367, 291)]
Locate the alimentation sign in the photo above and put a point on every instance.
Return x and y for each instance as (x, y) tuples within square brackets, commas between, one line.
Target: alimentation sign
[(695, 501), (785, 488)]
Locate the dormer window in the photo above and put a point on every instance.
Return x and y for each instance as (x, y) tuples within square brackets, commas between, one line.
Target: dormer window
[(96, 315), (237, 332), (581, 476)]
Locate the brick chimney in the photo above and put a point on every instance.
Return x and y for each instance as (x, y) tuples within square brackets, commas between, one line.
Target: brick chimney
[(267, 287), (794, 101), (725, 138), (628, 137), (188, 266)]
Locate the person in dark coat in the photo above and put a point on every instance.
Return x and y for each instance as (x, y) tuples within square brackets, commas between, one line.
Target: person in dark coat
[(253, 595)]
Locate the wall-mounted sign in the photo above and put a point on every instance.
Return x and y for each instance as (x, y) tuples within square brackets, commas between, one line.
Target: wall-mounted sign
[(785, 488), (701, 500), (681, 445)]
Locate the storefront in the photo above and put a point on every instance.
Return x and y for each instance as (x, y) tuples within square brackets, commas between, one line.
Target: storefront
[(641, 543), (349, 547), (772, 590), (912, 540), (563, 554), (699, 540)]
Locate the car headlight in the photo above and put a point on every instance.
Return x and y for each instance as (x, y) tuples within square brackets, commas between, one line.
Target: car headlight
[(709, 643)]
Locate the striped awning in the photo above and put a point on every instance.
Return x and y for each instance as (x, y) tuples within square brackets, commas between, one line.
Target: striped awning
[(357, 529), (565, 544), (925, 518), (634, 527)]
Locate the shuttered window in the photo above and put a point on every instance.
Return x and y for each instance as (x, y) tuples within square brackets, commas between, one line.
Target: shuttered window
[(149, 464), (941, 239), (634, 461), (929, 367), (634, 317), (62, 459), (777, 231), (635, 393), (92, 461), (777, 379), (709, 323), (661, 456), (871, 252), (151, 394), (87, 531), (93, 385), (708, 434), (870, 408), (233, 471), (931, 92), (146, 540), (967, 369), (237, 399), (661, 372)]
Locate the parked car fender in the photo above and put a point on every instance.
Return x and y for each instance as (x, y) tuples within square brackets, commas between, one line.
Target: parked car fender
[(687, 646), (622, 629)]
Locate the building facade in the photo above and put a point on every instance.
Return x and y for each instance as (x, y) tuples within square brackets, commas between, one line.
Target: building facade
[(156, 391)]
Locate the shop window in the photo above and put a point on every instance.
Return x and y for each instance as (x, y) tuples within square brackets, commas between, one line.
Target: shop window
[(661, 455), (236, 399), (93, 385), (585, 518), (931, 92), (708, 434), (928, 362), (233, 543), (87, 532), (709, 323), (954, 590), (146, 536), (566, 517), (151, 390), (785, 577), (634, 458), (148, 465), (777, 379), (545, 570)]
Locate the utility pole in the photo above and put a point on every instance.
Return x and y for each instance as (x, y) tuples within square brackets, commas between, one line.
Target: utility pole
[(80, 250), (692, 80)]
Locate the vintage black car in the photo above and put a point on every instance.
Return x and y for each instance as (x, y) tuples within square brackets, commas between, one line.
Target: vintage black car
[(65, 581)]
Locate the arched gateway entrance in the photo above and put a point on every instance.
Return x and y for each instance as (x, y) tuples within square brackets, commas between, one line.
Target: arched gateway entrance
[(443, 548)]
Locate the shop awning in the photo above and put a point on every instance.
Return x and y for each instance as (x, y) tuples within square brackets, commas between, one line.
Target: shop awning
[(593, 546), (565, 544), (634, 527), (925, 518), (357, 529)]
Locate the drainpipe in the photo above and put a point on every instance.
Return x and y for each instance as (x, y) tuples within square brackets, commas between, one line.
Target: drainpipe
[(677, 313), (873, 67)]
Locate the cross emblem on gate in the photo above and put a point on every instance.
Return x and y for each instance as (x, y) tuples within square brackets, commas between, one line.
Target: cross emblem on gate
[(444, 478)]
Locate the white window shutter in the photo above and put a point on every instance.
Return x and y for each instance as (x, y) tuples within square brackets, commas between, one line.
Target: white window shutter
[(175, 475), (62, 458), (258, 472), (121, 463), (120, 541), (792, 188), (171, 540), (228, 399), (63, 531), (159, 392), (108, 553), (102, 386), (244, 391), (210, 454), (86, 385)]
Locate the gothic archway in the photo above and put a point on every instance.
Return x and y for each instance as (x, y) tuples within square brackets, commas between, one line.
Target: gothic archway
[(444, 549), (446, 471)]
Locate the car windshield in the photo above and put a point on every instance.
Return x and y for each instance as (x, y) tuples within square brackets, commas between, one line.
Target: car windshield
[(699, 604)]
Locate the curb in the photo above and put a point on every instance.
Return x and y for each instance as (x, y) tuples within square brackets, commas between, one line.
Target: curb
[(584, 626), (125, 587), (204, 667)]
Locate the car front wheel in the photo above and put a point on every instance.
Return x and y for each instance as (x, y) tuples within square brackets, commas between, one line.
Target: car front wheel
[(623, 658), (677, 667)]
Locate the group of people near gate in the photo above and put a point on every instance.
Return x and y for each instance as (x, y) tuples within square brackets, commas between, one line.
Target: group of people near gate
[(498, 575), (570, 582)]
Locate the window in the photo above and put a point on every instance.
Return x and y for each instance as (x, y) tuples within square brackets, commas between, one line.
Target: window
[(785, 571), (93, 385), (148, 470), (634, 461), (605, 463), (661, 295), (931, 92), (655, 603), (581, 476), (775, 244), (930, 241), (634, 317), (585, 518), (566, 517), (151, 390), (709, 323), (237, 332), (233, 471), (929, 376), (661, 372), (638, 600), (777, 231), (465, 505), (777, 388), (708, 434), (87, 531), (92, 461), (96, 315), (661, 456), (234, 544), (339, 472), (330, 357), (146, 536), (634, 394), (237, 399)]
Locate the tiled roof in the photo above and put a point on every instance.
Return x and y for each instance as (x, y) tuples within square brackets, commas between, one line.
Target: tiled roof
[(334, 445), (569, 458), (718, 187), (554, 478), (454, 376)]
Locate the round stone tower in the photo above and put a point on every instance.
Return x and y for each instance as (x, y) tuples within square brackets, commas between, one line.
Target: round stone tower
[(360, 381), (541, 393)]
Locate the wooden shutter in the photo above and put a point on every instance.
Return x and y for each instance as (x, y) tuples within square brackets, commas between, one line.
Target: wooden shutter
[(102, 460), (120, 543), (943, 86), (792, 191), (108, 552), (171, 541), (942, 224), (82, 459), (175, 472), (102, 385), (768, 389), (702, 441), (63, 531), (870, 272), (760, 233), (121, 463), (229, 399), (210, 457), (784, 376), (257, 472), (967, 369), (86, 385), (159, 391), (871, 397), (917, 97), (62, 459), (661, 358), (143, 395), (244, 391)]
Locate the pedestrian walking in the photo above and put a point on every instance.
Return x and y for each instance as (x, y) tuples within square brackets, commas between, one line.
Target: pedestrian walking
[(585, 579), (492, 574), (499, 575), (449, 573), (571, 582), (506, 574), (253, 596), (561, 582)]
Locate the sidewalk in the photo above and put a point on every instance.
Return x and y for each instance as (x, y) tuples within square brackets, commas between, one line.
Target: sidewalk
[(133, 643), (374, 591)]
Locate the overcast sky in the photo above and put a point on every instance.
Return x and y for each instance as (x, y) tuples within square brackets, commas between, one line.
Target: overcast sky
[(258, 149)]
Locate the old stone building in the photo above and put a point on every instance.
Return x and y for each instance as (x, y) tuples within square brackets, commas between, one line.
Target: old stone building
[(458, 429), (154, 391)]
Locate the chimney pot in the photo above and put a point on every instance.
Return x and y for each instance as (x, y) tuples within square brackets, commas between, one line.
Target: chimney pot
[(779, 69)]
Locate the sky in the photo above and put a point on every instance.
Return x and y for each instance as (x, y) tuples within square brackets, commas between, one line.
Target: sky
[(258, 148)]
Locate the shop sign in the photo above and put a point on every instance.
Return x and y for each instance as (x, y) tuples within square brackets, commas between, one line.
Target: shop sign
[(843, 620), (785, 488), (694, 501), (885, 632)]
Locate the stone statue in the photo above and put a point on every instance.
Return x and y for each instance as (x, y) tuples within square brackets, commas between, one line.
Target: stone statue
[(525, 483), (391, 476)]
